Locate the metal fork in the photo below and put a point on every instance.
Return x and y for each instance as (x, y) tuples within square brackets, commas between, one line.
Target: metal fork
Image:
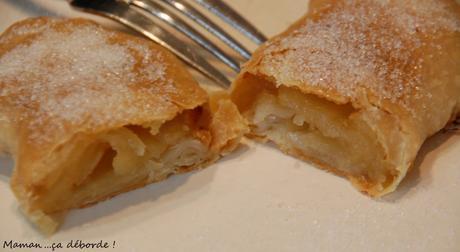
[(142, 16)]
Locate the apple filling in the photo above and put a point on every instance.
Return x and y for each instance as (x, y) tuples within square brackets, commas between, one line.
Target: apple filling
[(98, 167), (337, 137)]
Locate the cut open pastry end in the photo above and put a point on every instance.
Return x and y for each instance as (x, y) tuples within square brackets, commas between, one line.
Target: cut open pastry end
[(356, 87), (89, 168), (338, 137), (96, 113)]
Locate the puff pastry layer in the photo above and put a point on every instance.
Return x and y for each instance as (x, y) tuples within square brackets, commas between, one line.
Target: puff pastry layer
[(357, 86), (88, 113)]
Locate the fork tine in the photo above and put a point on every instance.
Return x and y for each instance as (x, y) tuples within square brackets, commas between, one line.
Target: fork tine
[(172, 19), (191, 12), (134, 19), (229, 15)]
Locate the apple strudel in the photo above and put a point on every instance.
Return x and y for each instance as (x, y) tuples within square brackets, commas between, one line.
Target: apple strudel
[(356, 87), (88, 113)]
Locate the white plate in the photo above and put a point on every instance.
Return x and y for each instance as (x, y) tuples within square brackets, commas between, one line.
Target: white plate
[(257, 199)]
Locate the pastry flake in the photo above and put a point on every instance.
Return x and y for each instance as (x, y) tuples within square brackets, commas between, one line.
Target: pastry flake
[(88, 113), (356, 87)]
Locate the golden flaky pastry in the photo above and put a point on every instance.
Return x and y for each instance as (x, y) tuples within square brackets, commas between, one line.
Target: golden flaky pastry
[(89, 113), (357, 86)]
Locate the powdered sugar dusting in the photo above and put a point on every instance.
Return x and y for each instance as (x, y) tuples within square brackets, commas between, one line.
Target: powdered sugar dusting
[(78, 76), (358, 47), (28, 28)]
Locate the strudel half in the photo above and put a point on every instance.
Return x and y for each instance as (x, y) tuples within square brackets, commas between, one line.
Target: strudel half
[(356, 87), (88, 113)]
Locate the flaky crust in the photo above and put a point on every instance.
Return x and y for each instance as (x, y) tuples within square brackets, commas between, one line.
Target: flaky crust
[(69, 80), (148, 100), (395, 60)]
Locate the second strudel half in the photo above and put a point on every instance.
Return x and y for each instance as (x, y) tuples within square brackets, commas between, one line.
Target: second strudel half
[(88, 113), (356, 87)]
